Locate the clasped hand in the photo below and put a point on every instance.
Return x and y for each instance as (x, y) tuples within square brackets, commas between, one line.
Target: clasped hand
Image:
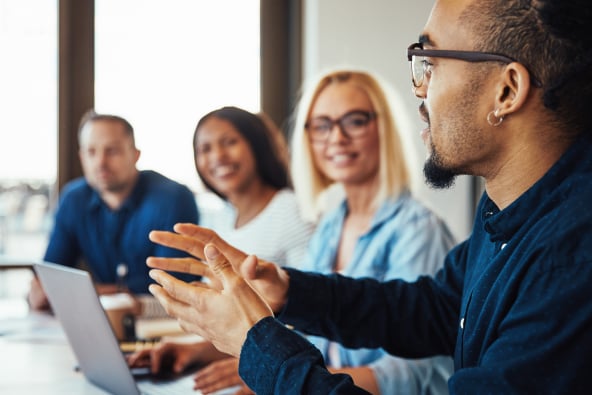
[(223, 311)]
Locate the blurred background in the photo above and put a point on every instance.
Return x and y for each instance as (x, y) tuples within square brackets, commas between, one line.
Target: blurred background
[(162, 64)]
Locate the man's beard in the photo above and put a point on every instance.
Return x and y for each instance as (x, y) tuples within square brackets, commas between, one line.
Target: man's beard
[(436, 175)]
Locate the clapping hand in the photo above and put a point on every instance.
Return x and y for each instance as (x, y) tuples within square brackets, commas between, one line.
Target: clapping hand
[(221, 316), (269, 280)]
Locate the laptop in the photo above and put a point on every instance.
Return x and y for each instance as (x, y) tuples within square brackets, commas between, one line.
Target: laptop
[(78, 308)]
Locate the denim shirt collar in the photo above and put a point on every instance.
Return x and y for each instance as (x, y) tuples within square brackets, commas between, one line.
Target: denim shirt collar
[(384, 213)]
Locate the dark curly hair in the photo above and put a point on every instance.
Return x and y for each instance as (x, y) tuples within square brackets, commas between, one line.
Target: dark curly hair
[(553, 39), (264, 142)]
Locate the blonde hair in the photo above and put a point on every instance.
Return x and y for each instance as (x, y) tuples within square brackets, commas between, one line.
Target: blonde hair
[(309, 182)]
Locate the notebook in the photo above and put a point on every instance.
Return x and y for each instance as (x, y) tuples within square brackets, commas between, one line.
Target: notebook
[(77, 306)]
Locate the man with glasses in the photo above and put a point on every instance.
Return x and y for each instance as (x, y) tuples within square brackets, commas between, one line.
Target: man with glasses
[(505, 87)]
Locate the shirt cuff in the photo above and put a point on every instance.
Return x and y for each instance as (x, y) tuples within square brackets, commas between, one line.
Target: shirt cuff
[(267, 346)]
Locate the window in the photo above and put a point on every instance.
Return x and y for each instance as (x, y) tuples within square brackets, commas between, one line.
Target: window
[(164, 64), (28, 152)]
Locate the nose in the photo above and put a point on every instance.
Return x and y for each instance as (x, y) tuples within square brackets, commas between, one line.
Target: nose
[(340, 135), (101, 158), (217, 152)]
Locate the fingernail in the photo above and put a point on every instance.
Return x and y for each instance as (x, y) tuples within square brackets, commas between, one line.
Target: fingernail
[(211, 252)]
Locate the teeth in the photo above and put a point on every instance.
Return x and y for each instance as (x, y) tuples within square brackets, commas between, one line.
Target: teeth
[(221, 171), (341, 158)]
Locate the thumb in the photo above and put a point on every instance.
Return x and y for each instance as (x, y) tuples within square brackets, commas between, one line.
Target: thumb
[(249, 267), (219, 264)]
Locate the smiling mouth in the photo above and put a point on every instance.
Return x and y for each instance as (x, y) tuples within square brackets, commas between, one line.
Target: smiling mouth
[(223, 170), (340, 159)]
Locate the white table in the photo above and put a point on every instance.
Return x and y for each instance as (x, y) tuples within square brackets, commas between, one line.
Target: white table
[(35, 357)]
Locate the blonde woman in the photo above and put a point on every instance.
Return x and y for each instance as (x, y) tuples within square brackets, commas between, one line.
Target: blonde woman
[(346, 133)]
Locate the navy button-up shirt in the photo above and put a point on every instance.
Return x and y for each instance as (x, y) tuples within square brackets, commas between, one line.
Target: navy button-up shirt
[(513, 303), (87, 229)]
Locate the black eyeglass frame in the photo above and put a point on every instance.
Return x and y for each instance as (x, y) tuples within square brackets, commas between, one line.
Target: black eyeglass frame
[(416, 49), (370, 116)]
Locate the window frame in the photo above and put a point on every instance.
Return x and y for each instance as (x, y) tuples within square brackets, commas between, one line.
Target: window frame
[(280, 70)]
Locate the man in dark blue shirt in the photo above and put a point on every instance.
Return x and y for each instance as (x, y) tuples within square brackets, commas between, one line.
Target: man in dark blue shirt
[(104, 218), (505, 89)]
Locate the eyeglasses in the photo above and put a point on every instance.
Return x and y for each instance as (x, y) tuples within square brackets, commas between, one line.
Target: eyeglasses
[(353, 125), (420, 66)]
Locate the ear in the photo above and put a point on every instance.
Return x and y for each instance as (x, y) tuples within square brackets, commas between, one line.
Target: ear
[(138, 152), (513, 89)]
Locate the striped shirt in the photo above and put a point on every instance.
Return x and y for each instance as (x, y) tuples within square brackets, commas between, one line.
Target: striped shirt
[(277, 234)]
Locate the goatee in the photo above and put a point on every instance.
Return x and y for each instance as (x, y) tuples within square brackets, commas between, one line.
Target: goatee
[(436, 175)]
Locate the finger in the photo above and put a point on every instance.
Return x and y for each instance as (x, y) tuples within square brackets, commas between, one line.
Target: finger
[(182, 265), (175, 294), (157, 354), (207, 236), (191, 245), (178, 309), (214, 386), (249, 269), (181, 363), (138, 359), (201, 284), (204, 235), (205, 376), (172, 306), (220, 265), (217, 375)]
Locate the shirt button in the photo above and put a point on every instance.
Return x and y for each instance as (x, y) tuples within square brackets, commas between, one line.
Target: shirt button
[(462, 323), (503, 246)]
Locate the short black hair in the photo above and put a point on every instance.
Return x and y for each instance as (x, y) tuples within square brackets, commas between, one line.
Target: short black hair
[(270, 162)]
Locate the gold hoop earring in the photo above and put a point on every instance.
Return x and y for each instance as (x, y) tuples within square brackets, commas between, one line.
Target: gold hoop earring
[(494, 115)]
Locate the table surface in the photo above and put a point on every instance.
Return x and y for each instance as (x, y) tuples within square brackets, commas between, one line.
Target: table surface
[(35, 357), (9, 262)]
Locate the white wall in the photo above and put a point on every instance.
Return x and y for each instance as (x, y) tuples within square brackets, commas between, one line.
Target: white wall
[(373, 35)]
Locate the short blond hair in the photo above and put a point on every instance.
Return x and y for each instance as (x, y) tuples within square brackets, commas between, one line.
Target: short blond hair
[(309, 182)]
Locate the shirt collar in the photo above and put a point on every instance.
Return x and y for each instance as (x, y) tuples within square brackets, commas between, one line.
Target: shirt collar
[(502, 225), (132, 201), (384, 213)]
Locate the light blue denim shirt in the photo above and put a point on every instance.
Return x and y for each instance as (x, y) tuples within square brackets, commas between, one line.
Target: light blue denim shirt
[(405, 240)]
